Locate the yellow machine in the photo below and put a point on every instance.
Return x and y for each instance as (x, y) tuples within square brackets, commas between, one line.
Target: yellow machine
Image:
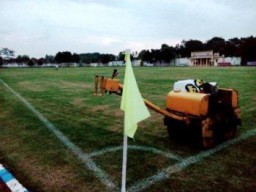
[(214, 117)]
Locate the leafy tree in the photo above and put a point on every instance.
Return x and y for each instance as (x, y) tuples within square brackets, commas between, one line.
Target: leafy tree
[(41, 61), (193, 45), (141, 54), (156, 55), (105, 58), (248, 49), (120, 56), (22, 59), (7, 53), (145, 55), (167, 53), (31, 62), (217, 44), (64, 57), (235, 42), (1, 61), (76, 58), (180, 50), (89, 57), (49, 59)]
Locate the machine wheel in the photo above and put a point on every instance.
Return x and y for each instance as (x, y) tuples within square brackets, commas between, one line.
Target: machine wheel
[(208, 133), (198, 132), (219, 127), (229, 124), (184, 132), (208, 142), (174, 128), (230, 134), (214, 129)]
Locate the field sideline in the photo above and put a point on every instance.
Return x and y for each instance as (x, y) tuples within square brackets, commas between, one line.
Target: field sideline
[(33, 148)]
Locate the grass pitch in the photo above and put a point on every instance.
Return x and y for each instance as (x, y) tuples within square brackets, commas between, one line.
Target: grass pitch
[(65, 97)]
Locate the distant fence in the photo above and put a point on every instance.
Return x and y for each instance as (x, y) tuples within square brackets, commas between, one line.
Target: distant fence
[(117, 64), (251, 63), (224, 64)]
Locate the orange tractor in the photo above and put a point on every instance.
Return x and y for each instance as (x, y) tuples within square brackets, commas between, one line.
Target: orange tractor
[(212, 113)]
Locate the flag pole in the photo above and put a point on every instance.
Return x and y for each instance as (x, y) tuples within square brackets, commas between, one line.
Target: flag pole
[(124, 167), (135, 110)]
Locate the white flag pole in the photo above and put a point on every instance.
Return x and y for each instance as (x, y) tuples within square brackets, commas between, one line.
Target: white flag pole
[(131, 103), (125, 141), (124, 164)]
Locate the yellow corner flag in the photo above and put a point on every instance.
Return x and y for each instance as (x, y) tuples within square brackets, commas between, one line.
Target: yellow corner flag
[(132, 102)]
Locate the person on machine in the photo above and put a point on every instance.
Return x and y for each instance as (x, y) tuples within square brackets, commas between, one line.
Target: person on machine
[(195, 86)]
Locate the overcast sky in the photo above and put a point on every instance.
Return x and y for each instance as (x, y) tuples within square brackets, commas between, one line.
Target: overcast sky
[(40, 27)]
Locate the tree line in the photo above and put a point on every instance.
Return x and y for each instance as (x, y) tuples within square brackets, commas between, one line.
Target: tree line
[(236, 47)]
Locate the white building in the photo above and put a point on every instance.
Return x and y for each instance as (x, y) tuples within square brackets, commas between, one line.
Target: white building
[(209, 58), (227, 61), (115, 63), (182, 62), (204, 58)]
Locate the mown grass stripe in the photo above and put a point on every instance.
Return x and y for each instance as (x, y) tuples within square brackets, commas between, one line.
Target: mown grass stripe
[(88, 162), (186, 162)]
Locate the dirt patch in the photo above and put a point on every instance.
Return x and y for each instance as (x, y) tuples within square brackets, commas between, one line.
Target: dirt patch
[(100, 108), (52, 179), (118, 113), (117, 127), (78, 102), (79, 85), (32, 86)]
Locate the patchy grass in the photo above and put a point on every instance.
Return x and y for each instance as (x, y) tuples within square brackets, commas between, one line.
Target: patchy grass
[(65, 97)]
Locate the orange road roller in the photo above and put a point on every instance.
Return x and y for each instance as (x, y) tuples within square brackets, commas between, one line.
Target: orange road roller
[(193, 106)]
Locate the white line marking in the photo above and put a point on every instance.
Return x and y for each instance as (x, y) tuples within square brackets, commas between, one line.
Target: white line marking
[(136, 147), (88, 162), (167, 172)]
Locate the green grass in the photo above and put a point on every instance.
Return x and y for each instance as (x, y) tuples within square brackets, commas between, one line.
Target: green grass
[(65, 98)]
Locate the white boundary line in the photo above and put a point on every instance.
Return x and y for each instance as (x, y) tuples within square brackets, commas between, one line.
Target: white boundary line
[(88, 162), (136, 147)]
